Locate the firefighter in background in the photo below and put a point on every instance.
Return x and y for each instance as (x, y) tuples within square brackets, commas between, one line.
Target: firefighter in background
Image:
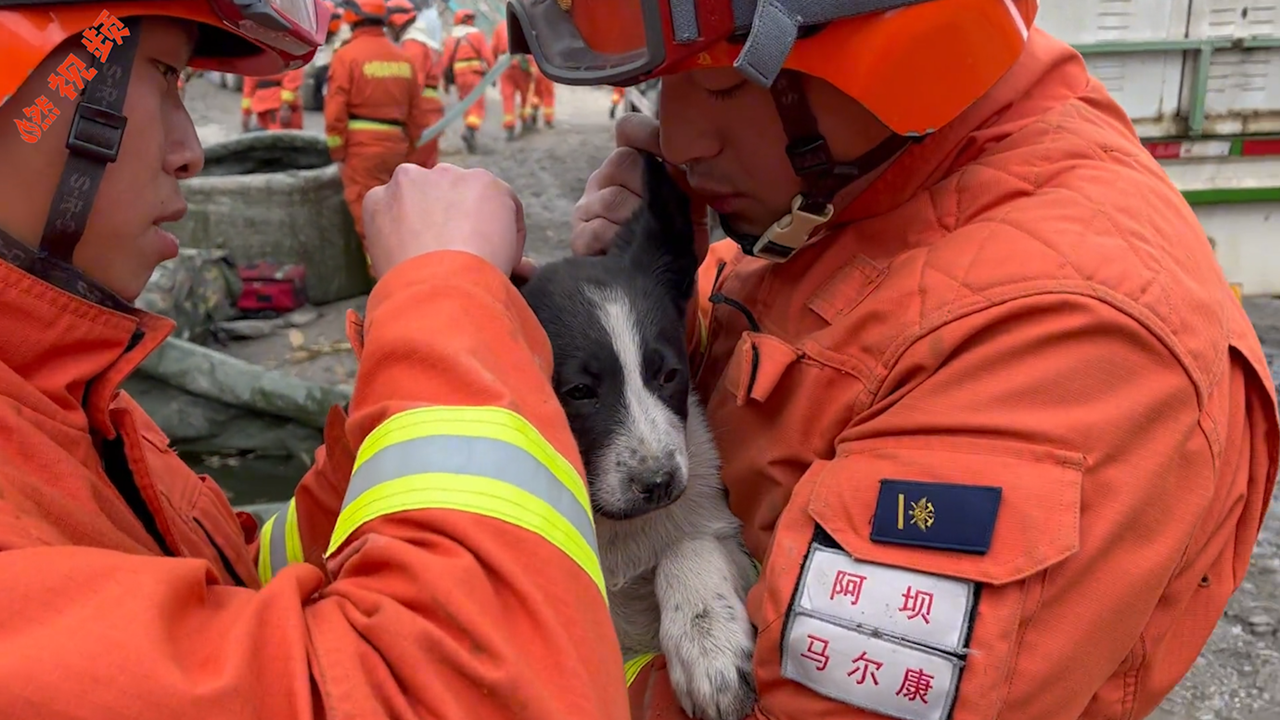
[(274, 100), (615, 101), (424, 54), (467, 58), (373, 111), (517, 79), (331, 42), (544, 101)]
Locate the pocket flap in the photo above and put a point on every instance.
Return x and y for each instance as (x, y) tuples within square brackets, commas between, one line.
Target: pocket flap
[(758, 364), (944, 516)]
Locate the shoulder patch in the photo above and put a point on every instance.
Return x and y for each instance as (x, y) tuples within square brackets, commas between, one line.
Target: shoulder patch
[(943, 516), (877, 637)]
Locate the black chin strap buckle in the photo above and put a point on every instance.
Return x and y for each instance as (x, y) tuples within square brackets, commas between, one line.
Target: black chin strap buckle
[(96, 133)]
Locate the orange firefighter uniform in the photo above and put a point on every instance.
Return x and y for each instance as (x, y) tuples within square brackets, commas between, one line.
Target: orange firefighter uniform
[(517, 79), (373, 590), (265, 98), (544, 98), (374, 113), (467, 50), (424, 55), (1047, 435)]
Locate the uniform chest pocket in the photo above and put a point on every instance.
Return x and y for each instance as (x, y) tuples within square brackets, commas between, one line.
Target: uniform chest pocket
[(200, 515), (931, 553)]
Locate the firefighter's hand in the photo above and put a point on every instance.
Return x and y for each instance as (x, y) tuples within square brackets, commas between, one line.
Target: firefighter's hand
[(244, 123), (444, 208), (616, 189), (286, 114)]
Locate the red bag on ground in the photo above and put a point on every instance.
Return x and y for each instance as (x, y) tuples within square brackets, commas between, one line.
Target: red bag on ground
[(270, 287)]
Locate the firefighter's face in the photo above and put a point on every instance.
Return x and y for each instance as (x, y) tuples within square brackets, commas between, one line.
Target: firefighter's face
[(122, 243), (725, 130)]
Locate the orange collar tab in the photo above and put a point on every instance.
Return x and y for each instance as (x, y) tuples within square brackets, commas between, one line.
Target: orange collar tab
[(73, 352)]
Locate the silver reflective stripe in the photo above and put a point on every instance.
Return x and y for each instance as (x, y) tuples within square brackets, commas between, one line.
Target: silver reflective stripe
[(775, 24), (279, 550), (463, 455)]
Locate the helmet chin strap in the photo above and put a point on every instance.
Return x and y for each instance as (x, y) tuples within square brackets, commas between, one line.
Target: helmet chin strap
[(97, 129), (820, 176)]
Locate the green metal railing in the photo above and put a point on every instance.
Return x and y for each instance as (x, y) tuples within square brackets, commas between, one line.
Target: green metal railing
[(1204, 50)]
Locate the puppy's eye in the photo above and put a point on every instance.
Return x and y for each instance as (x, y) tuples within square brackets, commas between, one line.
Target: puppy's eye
[(580, 392), (669, 376)]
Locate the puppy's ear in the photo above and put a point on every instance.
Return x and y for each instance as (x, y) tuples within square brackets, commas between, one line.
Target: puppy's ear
[(658, 239)]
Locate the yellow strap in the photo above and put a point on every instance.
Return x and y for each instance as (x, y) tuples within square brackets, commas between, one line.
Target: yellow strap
[(373, 125), (482, 460), (633, 666)]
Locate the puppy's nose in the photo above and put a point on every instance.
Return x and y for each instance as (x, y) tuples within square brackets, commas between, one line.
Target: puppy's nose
[(657, 487)]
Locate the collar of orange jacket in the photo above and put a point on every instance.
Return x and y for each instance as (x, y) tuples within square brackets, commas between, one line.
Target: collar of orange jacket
[(71, 351), (1034, 84), (369, 31)]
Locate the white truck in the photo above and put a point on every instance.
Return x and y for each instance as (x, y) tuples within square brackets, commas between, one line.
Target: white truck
[(1200, 79)]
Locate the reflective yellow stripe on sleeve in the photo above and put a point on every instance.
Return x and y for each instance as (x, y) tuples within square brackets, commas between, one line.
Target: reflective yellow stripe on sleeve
[(287, 96), (245, 103), (278, 546), (483, 460), (333, 141), (633, 666)]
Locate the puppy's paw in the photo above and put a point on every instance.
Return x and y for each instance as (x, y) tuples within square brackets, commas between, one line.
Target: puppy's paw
[(708, 651)]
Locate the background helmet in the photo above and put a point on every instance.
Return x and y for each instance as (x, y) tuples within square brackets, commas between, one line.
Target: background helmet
[(357, 10), (401, 13), (464, 15), (335, 17)]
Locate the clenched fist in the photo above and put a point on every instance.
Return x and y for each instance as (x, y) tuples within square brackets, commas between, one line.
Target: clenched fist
[(444, 208)]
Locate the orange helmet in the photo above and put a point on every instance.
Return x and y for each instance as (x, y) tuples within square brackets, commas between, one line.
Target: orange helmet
[(335, 17), (465, 15), (356, 10), (401, 13), (916, 64)]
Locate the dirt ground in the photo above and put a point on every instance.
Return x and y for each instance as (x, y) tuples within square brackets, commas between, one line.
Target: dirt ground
[(1237, 676)]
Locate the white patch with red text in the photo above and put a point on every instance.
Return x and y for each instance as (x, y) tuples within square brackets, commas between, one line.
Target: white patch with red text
[(928, 609), (878, 674)]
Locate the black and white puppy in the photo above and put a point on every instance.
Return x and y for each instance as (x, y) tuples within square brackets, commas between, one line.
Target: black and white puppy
[(674, 562)]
